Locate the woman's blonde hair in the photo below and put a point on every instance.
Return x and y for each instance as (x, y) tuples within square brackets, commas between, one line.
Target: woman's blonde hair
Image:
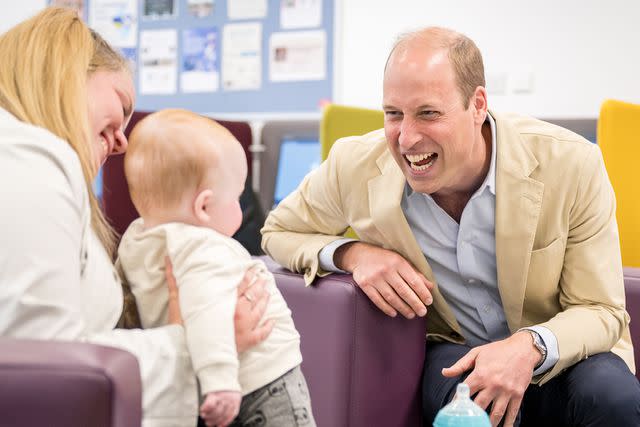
[(43, 81)]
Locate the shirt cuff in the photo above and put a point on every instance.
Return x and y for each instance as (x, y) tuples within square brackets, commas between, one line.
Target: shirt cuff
[(551, 343), (325, 257)]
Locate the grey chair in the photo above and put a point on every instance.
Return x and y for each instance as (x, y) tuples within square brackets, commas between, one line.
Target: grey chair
[(273, 133)]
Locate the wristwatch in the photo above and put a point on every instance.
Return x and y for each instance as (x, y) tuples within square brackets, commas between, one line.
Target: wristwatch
[(539, 345)]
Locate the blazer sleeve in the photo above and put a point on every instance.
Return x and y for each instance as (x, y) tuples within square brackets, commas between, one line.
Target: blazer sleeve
[(309, 218), (46, 292), (591, 283)]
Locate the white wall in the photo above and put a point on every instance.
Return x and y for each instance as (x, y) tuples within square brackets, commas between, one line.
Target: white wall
[(17, 11), (578, 52)]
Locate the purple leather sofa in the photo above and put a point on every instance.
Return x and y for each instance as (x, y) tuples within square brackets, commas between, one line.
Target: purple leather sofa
[(363, 368), (632, 291), (64, 384)]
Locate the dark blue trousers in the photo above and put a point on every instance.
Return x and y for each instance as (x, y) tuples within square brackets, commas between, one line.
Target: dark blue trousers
[(598, 391)]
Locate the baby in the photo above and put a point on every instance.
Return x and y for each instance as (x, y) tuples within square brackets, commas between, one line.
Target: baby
[(185, 174)]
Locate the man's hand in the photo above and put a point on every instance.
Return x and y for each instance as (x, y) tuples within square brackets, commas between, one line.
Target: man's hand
[(389, 280), (501, 373)]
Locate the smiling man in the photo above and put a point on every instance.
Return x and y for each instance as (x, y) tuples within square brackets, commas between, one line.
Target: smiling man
[(501, 225)]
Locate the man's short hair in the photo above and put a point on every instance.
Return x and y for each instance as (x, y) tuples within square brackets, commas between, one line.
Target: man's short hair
[(463, 53)]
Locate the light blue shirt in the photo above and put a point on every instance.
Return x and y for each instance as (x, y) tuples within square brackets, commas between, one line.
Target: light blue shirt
[(463, 259)]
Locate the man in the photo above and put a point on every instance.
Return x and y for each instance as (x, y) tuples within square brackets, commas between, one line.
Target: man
[(505, 224)]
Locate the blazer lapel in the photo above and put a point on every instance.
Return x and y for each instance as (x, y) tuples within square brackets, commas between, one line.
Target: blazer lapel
[(518, 204), (385, 195)]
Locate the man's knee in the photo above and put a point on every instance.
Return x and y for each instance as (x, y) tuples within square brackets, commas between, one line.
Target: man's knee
[(604, 386)]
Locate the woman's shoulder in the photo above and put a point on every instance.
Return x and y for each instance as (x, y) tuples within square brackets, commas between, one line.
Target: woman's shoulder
[(38, 153)]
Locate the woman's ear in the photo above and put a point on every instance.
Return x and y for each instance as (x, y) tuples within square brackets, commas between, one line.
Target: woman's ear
[(200, 206)]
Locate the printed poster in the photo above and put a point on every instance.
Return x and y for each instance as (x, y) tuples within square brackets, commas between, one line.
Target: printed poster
[(200, 71), (246, 9), (300, 13), (160, 9), (116, 21), (200, 8), (158, 62), (241, 62), (296, 56)]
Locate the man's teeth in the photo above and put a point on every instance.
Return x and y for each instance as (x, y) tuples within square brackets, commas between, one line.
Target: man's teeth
[(416, 158)]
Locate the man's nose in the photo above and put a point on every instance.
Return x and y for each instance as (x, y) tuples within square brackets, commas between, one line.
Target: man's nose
[(409, 135)]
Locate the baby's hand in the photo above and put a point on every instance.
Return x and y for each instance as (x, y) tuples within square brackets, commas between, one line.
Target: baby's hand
[(220, 408)]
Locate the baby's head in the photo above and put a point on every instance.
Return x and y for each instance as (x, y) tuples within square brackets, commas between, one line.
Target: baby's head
[(183, 167)]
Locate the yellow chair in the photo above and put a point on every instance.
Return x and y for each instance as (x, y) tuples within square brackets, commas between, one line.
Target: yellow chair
[(339, 121), (619, 139)]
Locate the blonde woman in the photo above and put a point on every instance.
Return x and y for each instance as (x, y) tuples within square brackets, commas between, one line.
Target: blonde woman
[(65, 98)]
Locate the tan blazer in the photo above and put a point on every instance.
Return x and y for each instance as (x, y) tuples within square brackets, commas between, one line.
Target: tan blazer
[(557, 247)]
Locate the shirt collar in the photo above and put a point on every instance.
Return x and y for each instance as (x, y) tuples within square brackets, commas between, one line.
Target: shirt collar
[(490, 179)]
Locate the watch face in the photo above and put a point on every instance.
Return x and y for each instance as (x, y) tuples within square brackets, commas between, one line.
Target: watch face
[(539, 344)]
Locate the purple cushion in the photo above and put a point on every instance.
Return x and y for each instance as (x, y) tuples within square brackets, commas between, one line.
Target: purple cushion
[(632, 291), (363, 368), (68, 384)]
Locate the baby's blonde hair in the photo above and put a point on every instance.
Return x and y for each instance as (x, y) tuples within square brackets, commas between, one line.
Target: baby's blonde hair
[(170, 155)]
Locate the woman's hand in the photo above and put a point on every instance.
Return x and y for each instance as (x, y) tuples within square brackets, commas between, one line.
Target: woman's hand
[(175, 317), (250, 307)]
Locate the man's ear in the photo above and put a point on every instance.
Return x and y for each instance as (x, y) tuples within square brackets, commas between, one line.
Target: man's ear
[(200, 204), (479, 104)]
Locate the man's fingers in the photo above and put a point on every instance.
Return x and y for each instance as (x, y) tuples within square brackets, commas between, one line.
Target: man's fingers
[(426, 282), (420, 286), (512, 412), (391, 287), (498, 410), (465, 363), (378, 300), (483, 399), (407, 294)]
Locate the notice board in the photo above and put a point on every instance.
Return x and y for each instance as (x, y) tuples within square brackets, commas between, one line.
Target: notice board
[(223, 56)]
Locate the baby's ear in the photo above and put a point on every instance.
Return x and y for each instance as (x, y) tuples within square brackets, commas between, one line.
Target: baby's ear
[(200, 203)]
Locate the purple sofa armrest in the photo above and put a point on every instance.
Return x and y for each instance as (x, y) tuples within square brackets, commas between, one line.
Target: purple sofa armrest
[(68, 384), (632, 292), (363, 368)]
